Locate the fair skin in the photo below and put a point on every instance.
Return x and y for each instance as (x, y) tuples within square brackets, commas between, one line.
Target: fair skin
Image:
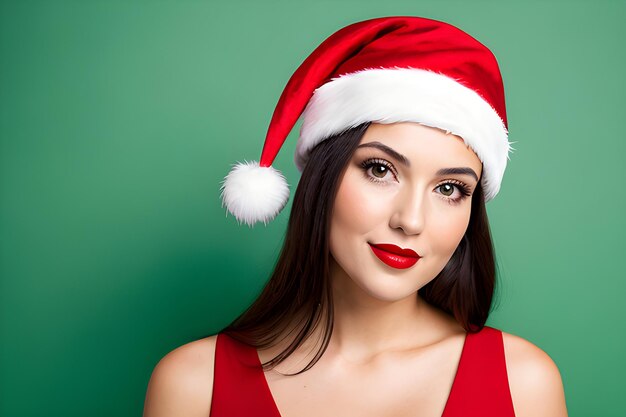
[(391, 354)]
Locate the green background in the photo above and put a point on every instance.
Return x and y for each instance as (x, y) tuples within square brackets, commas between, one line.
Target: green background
[(118, 121)]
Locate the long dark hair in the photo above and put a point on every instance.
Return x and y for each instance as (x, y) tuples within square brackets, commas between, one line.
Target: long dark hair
[(298, 297)]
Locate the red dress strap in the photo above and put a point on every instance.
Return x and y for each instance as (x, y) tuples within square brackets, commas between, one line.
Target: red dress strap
[(481, 386), (239, 385)]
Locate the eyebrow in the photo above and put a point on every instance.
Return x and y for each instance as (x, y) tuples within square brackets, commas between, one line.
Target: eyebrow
[(404, 161)]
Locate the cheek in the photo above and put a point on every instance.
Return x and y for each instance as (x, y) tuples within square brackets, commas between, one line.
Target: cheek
[(450, 226), (358, 210), (358, 207)]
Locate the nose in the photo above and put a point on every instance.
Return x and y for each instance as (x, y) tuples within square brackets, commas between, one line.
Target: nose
[(409, 213)]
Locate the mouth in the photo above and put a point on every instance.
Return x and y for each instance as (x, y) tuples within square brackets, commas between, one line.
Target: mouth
[(395, 256)]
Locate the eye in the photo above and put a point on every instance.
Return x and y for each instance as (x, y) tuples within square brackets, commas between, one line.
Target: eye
[(376, 170), (448, 189), (379, 171)]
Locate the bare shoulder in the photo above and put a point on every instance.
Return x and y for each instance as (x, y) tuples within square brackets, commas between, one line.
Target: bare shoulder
[(534, 379), (181, 383)]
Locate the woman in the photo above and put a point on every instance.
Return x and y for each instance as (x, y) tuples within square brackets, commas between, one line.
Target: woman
[(378, 302)]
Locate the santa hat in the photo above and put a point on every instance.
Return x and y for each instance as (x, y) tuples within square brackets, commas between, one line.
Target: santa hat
[(384, 70)]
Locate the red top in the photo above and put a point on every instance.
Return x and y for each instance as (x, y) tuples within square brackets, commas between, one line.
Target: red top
[(480, 387)]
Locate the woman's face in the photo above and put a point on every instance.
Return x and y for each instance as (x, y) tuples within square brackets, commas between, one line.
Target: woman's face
[(395, 190)]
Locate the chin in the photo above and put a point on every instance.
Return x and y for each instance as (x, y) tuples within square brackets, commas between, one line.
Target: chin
[(379, 282), (389, 288)]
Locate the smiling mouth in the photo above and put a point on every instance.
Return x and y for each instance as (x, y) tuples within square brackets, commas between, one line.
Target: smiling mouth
[(395, 256)]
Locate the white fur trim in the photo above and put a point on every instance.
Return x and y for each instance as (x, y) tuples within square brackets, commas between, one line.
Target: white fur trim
[(402, 95), (253, 193)]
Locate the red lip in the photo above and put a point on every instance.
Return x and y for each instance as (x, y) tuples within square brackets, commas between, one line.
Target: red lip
[(388, 247), (395, 256)]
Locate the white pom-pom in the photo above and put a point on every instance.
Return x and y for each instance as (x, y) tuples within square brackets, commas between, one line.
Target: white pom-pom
[(253, 193)]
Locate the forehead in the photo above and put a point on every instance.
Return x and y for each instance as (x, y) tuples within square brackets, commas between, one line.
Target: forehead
[(423, 145)]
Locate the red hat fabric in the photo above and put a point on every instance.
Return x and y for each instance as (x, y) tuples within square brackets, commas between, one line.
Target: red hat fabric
[(382, 70)]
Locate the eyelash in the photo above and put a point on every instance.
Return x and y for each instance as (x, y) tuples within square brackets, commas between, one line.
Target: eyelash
[(463, 188)]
